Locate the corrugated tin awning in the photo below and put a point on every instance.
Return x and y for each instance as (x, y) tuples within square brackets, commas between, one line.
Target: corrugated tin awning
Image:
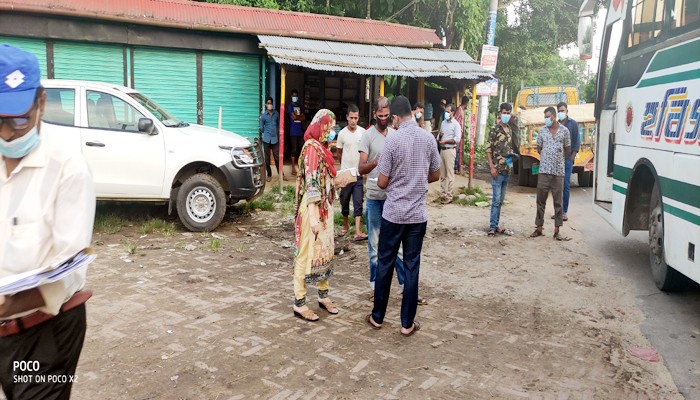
[(364, 59)]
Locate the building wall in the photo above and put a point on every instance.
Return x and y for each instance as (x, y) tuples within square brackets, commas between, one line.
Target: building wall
[(192, 74)]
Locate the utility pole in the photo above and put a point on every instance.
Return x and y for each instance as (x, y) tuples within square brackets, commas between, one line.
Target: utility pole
[(484, 100)]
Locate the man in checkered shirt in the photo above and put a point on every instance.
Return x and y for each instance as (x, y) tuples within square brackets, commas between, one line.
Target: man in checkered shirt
[(409, 162)]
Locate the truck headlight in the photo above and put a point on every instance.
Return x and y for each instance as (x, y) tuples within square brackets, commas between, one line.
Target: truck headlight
[(242, 156)]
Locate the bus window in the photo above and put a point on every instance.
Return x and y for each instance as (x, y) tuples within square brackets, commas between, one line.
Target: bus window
[(647, 19), (685, 13)]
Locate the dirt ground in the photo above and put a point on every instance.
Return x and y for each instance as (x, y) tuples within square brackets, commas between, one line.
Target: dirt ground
[(508, 317)]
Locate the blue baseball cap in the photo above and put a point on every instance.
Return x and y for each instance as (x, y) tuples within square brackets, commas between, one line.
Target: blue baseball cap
[(20, 76)]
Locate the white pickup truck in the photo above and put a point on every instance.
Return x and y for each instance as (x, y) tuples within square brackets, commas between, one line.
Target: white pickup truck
[(137, 151)]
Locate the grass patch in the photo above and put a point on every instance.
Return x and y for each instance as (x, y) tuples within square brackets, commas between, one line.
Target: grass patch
[(268, 202), (109, 223), (338, 222), (158, 225), (474, 191), (131, 248), (215, 244), (180, 245)]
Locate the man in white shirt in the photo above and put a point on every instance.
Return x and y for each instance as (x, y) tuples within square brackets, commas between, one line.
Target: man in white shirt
[(348, 145), (47, 210), (450, 134)]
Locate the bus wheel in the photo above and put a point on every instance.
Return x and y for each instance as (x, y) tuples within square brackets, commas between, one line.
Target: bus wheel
[(665, 277), (523, 175)]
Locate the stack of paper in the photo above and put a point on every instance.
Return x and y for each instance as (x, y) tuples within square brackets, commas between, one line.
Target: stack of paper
[(28, 280)]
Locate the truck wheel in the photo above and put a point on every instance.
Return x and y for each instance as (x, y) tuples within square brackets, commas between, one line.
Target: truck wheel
[(665, 277), (532, 179), (585, 179), (523, 175), (201, 203)]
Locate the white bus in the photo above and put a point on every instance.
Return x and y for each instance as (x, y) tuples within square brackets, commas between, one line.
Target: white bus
[(647, 154)]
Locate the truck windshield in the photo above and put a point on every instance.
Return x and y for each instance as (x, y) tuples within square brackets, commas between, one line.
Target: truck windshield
[(158, 111)]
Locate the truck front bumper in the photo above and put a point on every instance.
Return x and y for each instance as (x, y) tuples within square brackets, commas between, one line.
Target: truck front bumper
[(246, 182)]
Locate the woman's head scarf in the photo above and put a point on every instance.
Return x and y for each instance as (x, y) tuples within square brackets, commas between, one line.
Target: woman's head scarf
[(321, 126)]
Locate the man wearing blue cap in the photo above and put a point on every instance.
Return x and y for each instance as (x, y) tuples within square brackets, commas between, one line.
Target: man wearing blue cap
[(47, 210)]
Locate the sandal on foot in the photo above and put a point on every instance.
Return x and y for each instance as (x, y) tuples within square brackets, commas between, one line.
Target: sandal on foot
[(422, 301), (558, 237), (536, 233), (342, 232), (360, 237), (416, 328), (331, 308), (307, 315), (491, 233), (370, 322)]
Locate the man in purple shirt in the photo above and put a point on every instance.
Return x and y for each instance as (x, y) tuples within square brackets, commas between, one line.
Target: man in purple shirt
[(408, 163)]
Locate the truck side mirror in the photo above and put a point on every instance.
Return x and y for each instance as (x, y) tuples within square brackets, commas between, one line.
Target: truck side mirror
[(585, 37), (146, 126)]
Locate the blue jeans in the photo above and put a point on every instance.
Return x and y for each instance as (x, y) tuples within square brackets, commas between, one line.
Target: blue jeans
[(374, 223), (499, 185), (391, 237), (568, 167)]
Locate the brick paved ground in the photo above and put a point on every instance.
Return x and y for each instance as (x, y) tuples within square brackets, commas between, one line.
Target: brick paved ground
[(204, 324)]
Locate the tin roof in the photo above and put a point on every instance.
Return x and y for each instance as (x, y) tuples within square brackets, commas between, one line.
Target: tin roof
[(367, 59), (235, 19)]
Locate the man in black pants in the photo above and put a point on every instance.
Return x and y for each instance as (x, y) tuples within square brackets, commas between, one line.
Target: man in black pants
[(269, 126), (47, 209)]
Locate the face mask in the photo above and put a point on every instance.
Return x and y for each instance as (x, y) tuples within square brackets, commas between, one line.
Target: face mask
[(331, 136), (561, 116), (382, 124), (447, 116), (22, 146), (547, 122), (419, 115), (295, 99), (505, 118), (269, 107)]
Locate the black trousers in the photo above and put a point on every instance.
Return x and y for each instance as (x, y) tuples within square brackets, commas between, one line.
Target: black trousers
[(391, 236), (39, 364), (275, 148)]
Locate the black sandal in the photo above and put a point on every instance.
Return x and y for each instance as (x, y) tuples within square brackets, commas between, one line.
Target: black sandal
[(536, 233), (558, 237), (492, 232)]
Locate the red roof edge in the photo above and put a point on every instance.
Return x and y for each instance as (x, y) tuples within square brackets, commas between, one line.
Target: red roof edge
[(235, 19)]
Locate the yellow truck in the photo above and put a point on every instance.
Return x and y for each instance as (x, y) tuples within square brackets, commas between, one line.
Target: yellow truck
[(543, 96), (530, 122)]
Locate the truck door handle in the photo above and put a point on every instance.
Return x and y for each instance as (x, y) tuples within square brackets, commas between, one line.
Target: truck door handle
[(95, 144)]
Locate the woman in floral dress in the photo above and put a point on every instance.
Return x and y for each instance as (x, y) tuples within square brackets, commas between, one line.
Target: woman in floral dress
[(313, 230)]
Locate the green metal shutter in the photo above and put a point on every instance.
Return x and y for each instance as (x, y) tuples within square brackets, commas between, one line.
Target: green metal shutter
[(170, 78), (233, 83), (89, 62), (34, 46)]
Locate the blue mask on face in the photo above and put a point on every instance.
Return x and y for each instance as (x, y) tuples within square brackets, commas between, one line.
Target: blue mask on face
[(547, 122), (22, 146), (561, 116), (295, 99), (331, 136), (447, 116), (505, 118), (419, 115)]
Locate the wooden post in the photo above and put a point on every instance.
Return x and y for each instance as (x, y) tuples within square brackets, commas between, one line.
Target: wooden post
[(472, 136), (421, 90), (283, 113)]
